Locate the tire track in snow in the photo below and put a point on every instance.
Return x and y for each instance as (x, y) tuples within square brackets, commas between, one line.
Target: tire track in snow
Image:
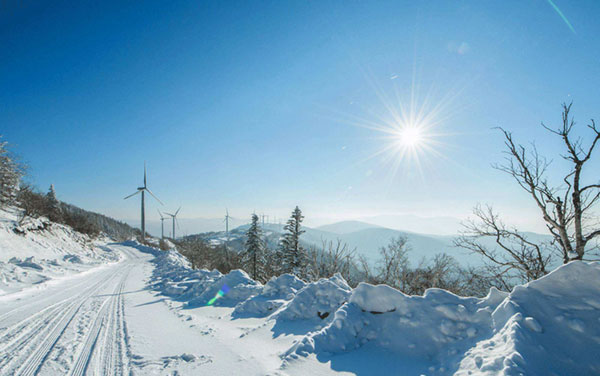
[(105, 329), (21, 339), (29, 342)]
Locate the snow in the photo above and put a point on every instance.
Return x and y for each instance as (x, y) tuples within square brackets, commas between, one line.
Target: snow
[(37, 251), (317, 300), (536, 329), (549, 327), (72, 306), (422, 331), (277, 292)]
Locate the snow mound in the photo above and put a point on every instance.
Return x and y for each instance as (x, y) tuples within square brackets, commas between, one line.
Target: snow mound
[(425, 330), (275, 294), (173, 277), (548, 327), (318, 299), (236, 287), (536, 329)]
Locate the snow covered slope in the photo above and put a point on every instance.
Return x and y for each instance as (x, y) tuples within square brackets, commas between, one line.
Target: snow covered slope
[(38, 250)]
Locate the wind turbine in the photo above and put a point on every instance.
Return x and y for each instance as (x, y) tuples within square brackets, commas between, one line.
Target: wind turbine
[(162, 225), (174, 217), (226, 220), (143, 190)]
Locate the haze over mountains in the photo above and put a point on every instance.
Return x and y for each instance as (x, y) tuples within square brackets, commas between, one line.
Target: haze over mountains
[(401, 222), (366, 238)]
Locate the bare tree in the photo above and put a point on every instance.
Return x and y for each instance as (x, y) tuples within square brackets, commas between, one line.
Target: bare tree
[(514, 255), (565, 207), (333, 257)]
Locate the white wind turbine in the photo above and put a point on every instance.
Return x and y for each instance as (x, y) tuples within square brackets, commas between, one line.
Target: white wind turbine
[(143, 190), (174, 217), (226, 220), (162, 225)]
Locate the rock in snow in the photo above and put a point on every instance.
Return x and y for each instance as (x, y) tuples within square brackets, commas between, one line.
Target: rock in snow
[(319, 299)]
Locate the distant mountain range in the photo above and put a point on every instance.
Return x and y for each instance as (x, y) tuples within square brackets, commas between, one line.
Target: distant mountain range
[(423, 225), (365, 238)]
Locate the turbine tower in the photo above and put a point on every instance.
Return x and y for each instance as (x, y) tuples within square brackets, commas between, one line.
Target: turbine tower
[(162, 225), (174, 217), (143, 190), (227, 216)]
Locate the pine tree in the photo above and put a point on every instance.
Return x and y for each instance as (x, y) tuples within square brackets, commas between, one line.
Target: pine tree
[(10, 176), (294, 259), (54, 209), (253, 258)]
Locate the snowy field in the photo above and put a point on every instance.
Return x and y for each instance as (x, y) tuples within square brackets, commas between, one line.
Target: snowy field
[(129, 309)]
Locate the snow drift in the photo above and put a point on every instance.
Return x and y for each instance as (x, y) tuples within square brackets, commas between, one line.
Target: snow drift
[(536, 329), (317, 300), (548, 327), (277, 292), (173, 277)]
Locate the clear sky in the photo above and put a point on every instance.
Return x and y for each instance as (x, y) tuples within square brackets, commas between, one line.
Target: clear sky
[(264, 105)]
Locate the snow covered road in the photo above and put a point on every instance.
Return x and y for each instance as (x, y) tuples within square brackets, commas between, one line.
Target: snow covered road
[(79, 325), (73, 326)]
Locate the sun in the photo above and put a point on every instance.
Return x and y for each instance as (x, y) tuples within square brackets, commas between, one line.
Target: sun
[(410, 136)]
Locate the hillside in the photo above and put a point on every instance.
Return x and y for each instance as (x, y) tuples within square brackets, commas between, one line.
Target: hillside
[(38, 250), (345, 227), (367, 239)]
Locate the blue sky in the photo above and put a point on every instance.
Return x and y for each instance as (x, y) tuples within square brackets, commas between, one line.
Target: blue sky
[(255, 105)]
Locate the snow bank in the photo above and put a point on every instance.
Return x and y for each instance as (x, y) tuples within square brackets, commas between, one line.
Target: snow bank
[(317, 300), (432, 330), (547, 327), (37, 250), (196, 287), (236, 285), (277, 292)]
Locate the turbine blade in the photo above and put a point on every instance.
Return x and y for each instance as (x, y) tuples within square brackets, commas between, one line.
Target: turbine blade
[(159, 213), (144, 174), (152, 194), (172, 215), (178, 210), (131, 195)]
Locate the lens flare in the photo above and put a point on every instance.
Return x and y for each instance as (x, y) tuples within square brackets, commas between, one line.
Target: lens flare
[(224, 290)]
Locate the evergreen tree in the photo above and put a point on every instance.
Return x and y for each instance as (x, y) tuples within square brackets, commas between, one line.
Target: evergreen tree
[(253, 258), (54, 209), (294, 258), (10, 176)]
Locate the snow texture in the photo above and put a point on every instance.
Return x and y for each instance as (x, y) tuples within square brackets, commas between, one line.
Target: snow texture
[(547, 327), (173, 277), (319, 299), (277, 292), (36, 250)]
